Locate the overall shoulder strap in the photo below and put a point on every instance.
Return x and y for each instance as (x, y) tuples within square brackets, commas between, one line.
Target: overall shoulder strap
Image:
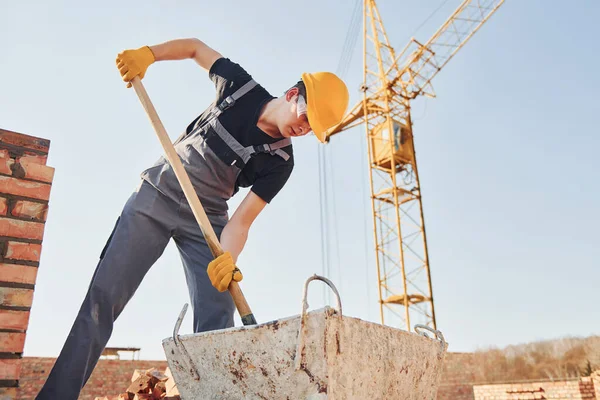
[(273, 148), (228, 102)]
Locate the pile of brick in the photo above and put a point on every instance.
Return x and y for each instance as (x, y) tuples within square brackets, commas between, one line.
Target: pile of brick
[(150, 384)]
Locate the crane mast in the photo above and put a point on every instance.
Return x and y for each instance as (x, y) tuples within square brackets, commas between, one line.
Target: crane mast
[(390, 82)]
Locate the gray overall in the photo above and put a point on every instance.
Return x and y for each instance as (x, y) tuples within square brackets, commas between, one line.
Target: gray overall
[(156, 212)]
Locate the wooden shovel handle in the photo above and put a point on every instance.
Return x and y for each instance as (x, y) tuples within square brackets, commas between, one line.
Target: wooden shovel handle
[(192, 198)]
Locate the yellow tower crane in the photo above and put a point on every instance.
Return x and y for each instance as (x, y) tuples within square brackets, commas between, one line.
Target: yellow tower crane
[(390, 82)]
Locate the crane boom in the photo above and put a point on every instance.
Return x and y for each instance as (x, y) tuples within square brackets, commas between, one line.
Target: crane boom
[(422, 62)]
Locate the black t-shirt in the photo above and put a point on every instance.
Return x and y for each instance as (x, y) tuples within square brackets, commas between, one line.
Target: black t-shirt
[(265, 173)]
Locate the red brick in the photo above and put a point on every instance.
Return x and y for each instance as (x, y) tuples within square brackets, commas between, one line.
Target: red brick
[(34, 158), (19, 187), (23, 251), (16, 297), (21, 229), (15, 320), (37, 171), (170, 384), (143, 384), (3, 206), (22, 140), (30, 209), (5, 162), (8, 393), (10, 368), (18, 273), (159, 390), (12, 342)]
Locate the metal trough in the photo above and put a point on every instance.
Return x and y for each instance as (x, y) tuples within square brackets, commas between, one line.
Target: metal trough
[(316, 355)]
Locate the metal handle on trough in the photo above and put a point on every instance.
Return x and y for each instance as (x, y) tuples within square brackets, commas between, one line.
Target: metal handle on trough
[(301, 335), (437, 333), (328, 282), (179, 345)]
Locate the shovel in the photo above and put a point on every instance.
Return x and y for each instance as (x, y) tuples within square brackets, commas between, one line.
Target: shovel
[(192, 198)]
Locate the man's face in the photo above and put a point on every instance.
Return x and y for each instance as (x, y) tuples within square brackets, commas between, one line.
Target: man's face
[(295, 121)]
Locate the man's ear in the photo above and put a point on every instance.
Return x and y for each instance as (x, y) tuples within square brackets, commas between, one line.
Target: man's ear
[(291, 93)]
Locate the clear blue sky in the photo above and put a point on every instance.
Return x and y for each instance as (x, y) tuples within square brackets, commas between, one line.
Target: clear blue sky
[(507, 157)]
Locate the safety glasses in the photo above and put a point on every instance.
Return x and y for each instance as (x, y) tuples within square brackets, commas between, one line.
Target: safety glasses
[(301, 108)]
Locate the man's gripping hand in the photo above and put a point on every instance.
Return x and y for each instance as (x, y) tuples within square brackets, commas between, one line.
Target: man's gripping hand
[(222, 271), (132, 63)]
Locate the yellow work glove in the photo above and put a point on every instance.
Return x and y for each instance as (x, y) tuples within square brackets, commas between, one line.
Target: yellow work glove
[(222, 270), (132, 63)]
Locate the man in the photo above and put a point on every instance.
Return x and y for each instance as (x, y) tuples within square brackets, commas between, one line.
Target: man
[(242, 140)]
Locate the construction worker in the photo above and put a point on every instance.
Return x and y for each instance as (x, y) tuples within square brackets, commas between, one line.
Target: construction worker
[(243, 139)]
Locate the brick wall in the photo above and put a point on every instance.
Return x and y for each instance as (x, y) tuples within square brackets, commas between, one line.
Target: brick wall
[(25, 183), (558, 390), (110, 377)]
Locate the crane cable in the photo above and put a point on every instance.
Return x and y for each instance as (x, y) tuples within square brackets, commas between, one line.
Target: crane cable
[(325, 162), (430, 16), (322, 216), (350, 41)]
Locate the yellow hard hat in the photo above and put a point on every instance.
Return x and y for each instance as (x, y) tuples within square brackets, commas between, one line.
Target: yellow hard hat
[(327, 100)]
